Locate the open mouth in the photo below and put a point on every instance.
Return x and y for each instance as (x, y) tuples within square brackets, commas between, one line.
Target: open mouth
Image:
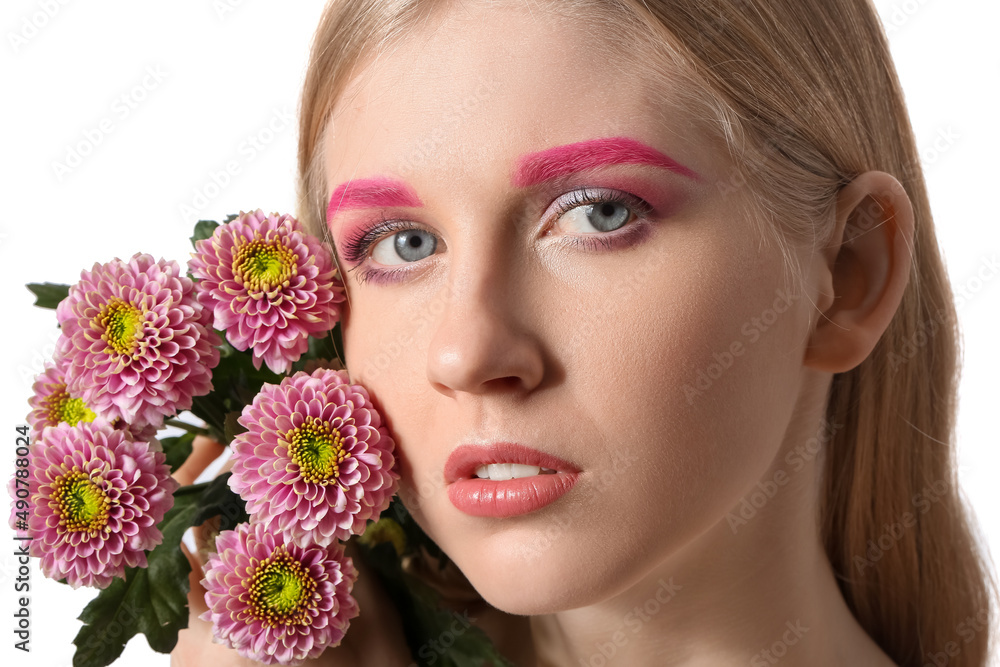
[(503, 471)]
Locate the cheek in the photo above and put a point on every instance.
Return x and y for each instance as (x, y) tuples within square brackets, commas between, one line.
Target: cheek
[(385, 349), (691, 381)]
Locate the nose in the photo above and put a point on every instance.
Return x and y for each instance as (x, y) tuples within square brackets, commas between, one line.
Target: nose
[(484, 340)]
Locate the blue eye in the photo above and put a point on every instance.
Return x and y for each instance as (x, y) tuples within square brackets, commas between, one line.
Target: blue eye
[(603, 212), (606, 217), (410, 245), (399, 242)]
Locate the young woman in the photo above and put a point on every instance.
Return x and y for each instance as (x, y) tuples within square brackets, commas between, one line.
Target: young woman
[(680, 254)]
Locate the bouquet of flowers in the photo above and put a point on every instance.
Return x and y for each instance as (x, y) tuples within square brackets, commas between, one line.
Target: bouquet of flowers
[(246, 341)]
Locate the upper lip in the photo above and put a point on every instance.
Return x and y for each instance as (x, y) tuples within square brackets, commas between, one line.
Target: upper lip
[(464, 460)]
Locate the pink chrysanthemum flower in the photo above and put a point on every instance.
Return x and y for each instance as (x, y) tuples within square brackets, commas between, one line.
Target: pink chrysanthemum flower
[(51, 402), (270, 285), (274, 601), (96, 498), (316, 462), (143, 432), (139, 345)]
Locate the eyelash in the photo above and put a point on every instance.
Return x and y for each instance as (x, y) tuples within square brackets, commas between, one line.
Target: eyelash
[(356, 246)]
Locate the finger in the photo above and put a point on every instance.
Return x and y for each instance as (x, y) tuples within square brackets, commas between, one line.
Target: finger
[(195, 647), (196, 595), (204, 450), (203, 535)]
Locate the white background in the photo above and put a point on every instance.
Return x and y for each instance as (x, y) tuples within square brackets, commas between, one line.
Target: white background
[(231, 70)]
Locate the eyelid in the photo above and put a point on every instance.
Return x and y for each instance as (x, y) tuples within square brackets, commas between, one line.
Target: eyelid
[(357, 247), (584, 196)]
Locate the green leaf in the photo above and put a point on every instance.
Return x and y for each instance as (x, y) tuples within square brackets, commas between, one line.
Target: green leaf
[(425, 621), (329, 346), (471, 645), (415, 535), (235, 384), (219, 500), (151, 600), (111, 619), (168, 570), (177, 449), (48, 295), (203, 230), (232, 426), (326, 346)]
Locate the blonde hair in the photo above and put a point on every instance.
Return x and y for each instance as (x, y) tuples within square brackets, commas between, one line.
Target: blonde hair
[(804, 95)]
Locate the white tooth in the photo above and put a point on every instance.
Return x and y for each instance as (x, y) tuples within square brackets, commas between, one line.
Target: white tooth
[(499, 471), (504, 471)]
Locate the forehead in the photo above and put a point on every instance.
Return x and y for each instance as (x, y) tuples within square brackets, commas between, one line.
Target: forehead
[(478, 86)]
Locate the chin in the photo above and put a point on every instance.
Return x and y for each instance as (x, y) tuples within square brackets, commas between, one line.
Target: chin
[(517, 577)]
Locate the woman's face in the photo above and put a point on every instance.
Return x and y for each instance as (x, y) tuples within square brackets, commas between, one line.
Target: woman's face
[(647, 341)]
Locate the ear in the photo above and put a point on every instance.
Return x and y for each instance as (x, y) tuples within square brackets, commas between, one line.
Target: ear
[(863, 272)]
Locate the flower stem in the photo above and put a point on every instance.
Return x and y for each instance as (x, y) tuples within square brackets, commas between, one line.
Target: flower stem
[(191, 488), (190, 428)]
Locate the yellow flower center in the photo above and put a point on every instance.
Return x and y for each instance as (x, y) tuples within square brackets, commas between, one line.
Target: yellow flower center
[(82, 505), (59, 407), (122, 323), (318, 449), (281, 590), (263, 265)]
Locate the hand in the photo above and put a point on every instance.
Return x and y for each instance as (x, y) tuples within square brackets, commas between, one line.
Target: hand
[(374, 638)]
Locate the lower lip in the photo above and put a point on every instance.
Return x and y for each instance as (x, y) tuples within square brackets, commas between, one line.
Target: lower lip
[(510, 497)]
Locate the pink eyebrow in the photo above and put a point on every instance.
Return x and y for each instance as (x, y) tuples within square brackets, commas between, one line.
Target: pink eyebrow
[(550, 163), (371, 193)]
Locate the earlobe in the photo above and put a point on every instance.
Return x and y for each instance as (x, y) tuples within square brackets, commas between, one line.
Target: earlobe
[(862, 275)]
